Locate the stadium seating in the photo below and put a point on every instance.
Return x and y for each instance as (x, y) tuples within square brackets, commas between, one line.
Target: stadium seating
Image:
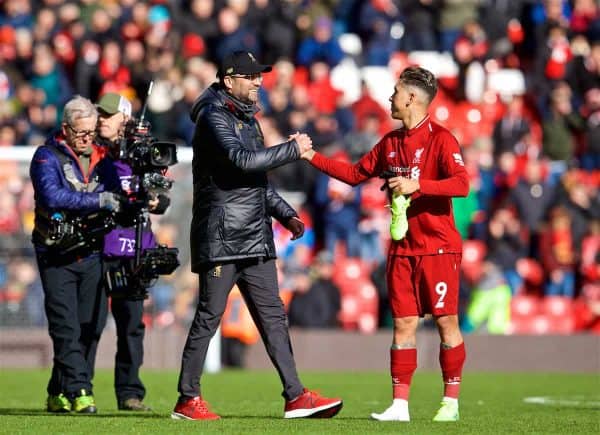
[(472, 257), (525, 306), (535, 316), (359, 307), (348, 271), (531, 271)]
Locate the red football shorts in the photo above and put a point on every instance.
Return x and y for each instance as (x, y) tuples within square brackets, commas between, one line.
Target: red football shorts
[(426, 284)]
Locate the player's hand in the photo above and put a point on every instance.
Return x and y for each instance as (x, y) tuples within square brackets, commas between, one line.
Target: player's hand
[(295, 226), (308, 155), (402, 185)]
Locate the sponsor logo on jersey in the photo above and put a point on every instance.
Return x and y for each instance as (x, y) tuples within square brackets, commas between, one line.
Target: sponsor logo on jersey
[(415, 173), (458, 159)]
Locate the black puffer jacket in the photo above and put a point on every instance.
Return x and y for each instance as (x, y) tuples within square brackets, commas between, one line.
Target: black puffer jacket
[(233, 202)]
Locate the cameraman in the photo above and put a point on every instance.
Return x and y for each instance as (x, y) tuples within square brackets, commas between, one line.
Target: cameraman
[(71, 180), (127, 309)]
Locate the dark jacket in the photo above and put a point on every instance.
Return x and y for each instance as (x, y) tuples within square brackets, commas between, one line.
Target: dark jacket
[(233, 201), (317, 308), (53, 192)]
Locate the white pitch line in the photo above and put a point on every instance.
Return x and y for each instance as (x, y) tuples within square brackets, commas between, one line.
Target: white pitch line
[(564, 401)]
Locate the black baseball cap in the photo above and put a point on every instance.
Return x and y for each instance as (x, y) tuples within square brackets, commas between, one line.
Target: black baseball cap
[(241, 62)]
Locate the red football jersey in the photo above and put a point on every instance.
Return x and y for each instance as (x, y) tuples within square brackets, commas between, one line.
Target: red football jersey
[(428, 153)]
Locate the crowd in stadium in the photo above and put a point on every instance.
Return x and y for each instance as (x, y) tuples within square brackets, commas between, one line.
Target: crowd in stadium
[(519, 88)]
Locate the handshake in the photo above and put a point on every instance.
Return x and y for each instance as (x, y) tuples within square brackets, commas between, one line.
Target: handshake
[(304, 145)]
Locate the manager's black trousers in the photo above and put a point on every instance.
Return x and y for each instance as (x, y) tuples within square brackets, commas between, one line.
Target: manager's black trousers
[(76, 308), (257, 281)]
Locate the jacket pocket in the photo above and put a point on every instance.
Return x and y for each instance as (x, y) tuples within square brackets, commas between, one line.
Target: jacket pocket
[(216, 223)]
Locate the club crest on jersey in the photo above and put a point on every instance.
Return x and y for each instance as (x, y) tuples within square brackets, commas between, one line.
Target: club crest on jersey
[(458, 159), (418, 154), (392, 154)]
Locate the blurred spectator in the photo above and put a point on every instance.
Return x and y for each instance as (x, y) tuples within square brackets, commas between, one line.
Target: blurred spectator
[(234, 35), (532, 197), (202, 23), (558, 141), (379, 27), (367, 106), (585, 14), (17, 13), (420, 18), (379, 281), (182, 127), (374, 222), (48, 77), (558, 254), (489, 302), (321, 46), (579, 194), (510, 130), (470, 50), (506, 245), (340, 208), (316, 301), (466, 209), (10, 222), (587, 310), (555, 56), (278, 28), (361, 140), (545, 15), (453, 16), (584, 71), (502, 23), (590, 155), (590, 254)]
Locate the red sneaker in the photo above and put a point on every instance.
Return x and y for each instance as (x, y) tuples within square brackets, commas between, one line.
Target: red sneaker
[(193, 409), (311, 404)]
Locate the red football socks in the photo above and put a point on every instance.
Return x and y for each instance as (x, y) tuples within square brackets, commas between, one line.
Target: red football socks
[(452, 361), (403, 363)]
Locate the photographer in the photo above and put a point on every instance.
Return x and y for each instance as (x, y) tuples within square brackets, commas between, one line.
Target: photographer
[(127, 309), (71, 181)]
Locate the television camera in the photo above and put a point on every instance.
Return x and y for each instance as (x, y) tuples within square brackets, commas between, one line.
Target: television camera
[(149, 160), (65, 234)]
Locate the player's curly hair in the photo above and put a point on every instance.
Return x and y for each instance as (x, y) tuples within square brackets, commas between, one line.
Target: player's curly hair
[(420, 78)]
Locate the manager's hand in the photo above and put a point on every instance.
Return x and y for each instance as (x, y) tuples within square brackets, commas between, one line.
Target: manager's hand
[(295, 226), (303, 140)]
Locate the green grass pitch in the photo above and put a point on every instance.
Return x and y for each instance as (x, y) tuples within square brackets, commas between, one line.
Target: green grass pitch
[(250, 402)]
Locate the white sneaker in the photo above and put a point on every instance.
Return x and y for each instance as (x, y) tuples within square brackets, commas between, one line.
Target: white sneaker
[(398, 411)]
